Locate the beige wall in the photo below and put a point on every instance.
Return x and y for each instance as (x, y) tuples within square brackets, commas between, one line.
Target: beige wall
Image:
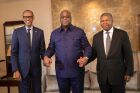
[(11, 10), (86, 14)]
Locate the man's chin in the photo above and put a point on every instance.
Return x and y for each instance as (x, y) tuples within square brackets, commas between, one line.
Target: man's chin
[(65, 25), (106, 29), (28, 25)]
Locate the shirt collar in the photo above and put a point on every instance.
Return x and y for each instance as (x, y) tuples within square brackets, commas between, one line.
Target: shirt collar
[(29, 28), (70, 28), (110, 31)]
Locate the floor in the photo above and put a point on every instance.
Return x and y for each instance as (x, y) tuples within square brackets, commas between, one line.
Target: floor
[(14, 90), (97, 91)]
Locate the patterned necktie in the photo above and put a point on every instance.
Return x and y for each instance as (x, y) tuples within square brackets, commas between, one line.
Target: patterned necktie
[(108, 42), (29, 36)]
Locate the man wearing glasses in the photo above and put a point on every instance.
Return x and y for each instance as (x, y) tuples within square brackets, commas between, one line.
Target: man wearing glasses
[(68, 43), (27, 50)]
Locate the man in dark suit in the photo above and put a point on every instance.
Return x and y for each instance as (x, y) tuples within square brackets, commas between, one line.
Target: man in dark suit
[(28, 47), (112, 48), (68, 43)]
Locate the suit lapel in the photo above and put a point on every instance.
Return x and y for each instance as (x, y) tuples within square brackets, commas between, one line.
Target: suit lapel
[(114, 39), (34, 36), (102, 43)]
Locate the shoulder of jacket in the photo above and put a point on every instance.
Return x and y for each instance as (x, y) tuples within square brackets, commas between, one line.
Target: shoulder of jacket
[(119, 30), (38, 29), (19, 29), (99, 33)]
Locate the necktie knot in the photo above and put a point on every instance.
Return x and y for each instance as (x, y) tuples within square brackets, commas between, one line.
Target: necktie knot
[(28, 30), (107, 32)]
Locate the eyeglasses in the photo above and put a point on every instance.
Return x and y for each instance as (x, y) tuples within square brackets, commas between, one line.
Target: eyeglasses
[(25, 17), (62, 17)]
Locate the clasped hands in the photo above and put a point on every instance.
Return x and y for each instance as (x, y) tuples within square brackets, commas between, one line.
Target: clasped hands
[(47, 61), (82, 61)]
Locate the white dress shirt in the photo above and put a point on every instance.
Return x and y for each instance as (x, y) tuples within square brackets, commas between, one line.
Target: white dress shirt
[(105, 36), (31, 32)]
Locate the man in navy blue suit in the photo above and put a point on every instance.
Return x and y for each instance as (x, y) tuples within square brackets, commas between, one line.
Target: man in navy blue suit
[(28, 47), (68, 43)]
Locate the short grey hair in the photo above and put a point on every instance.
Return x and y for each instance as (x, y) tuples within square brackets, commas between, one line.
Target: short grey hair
[(28, 11), (65, 11), (107, 14)]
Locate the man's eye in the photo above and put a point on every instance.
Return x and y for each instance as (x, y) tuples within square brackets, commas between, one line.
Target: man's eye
[(65, 17)]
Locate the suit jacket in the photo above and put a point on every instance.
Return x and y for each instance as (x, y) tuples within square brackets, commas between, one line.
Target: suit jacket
[(24, 57), (118, 62)]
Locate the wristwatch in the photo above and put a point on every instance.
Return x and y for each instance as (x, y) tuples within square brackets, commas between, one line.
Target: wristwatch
[(86, 57)]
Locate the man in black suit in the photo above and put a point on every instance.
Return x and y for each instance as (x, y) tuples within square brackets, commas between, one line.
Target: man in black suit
[(112, 48)]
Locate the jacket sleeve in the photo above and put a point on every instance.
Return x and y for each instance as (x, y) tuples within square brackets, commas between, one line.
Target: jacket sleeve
[(128, 57), (51, 47), (42, 45), (85, 45), (14, 51), (94, 51)]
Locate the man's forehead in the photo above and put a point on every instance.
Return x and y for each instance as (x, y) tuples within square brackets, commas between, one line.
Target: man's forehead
[(27, 13), (65, 12)]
